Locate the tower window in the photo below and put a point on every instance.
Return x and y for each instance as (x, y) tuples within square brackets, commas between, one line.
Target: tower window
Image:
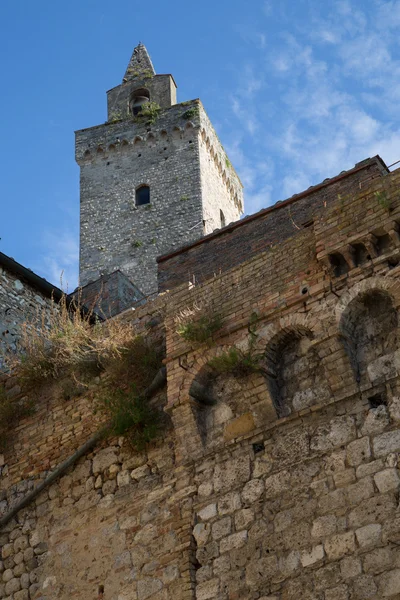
[(222, 218), (138, 98), (142, 195)]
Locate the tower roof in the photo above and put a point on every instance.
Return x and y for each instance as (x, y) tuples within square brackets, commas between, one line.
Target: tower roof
[(140, 64)]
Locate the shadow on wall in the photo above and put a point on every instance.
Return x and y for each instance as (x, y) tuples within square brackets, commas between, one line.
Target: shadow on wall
[(369, 333)]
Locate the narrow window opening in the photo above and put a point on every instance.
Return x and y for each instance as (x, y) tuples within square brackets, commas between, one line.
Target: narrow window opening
[(383, 243), (360, 254), (222, 218), (138, 99), (339, 264), (142, 195)]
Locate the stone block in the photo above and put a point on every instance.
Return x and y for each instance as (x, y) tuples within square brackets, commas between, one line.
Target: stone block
[(148, 587), (201, 533), (364, 587), (208, 512), (387, 480), (221, 528), (240, 426), (229, 503), (386, 443), (207, 589), (341, 592), (262, 465), (389, 583), (252, 491), (231, 473), (236, 540), (358, 451), (350, 567), (324, 526), (369, 535), (378, 560), (277, 484), (103, 460), (310, 557), (243, 518), (340, 544), (362, 490)]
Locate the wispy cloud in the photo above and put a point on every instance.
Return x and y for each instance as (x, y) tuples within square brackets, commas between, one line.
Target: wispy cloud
[(59, 259), (333, 93)]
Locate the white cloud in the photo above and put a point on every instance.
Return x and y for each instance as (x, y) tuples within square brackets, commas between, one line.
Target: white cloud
[(337, 83), (59, 259)]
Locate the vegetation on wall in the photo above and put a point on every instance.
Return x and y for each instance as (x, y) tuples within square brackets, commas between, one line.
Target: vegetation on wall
[(191, 113), (201, 329), (237, 361), (148, 113), (72, 348)]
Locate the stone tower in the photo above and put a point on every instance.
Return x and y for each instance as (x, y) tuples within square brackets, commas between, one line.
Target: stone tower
[(153, 177)]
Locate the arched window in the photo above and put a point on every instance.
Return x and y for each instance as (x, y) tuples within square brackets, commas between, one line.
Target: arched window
[(222, 218), (142, 195), (138, 98)]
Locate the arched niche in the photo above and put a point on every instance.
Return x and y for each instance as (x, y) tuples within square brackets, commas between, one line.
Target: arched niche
[(228, 405), (368, 329), (294, 371), (137, 99)]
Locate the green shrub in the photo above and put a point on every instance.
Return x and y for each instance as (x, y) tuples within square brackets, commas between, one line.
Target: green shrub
[(236, 362), (130, 415), (149, 113), (200, 330), (191, 113)]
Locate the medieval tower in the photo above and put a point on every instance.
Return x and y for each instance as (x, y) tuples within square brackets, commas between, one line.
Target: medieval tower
[(153, 178)]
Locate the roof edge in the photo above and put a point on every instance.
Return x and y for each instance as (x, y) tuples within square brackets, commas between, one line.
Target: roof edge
[(232, 226), (39, 283)]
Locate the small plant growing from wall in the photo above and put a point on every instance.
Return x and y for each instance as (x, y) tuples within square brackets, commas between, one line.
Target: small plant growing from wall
[(202, 329), (148, 114), (116, 117), (130, 415), (191, 113), (383, 200), (240, 362)]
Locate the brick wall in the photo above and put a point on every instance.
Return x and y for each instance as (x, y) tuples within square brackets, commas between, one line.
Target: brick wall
[(276, 492), (234, 245)]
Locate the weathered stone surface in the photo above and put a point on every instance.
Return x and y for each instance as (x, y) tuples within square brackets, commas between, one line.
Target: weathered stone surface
[(103, 460), (340, 544), (239, 427), (387, 480)]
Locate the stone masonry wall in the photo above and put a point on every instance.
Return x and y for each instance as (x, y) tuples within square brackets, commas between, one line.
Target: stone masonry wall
[(19, 303), (221, 188), (229, 248), (275, 492), (115, 159)]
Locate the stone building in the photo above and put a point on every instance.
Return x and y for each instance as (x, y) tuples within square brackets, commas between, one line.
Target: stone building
[(22, 295), (153, 178), (275, 482)]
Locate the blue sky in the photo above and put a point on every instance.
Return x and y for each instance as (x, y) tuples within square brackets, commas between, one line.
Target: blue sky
[(297, 91)]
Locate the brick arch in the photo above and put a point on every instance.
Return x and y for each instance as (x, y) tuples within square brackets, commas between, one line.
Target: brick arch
[(292, 360), (295, 322), (368, 328), (392, 287)]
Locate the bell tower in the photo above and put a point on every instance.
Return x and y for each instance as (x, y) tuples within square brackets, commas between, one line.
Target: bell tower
[(153, 177)]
